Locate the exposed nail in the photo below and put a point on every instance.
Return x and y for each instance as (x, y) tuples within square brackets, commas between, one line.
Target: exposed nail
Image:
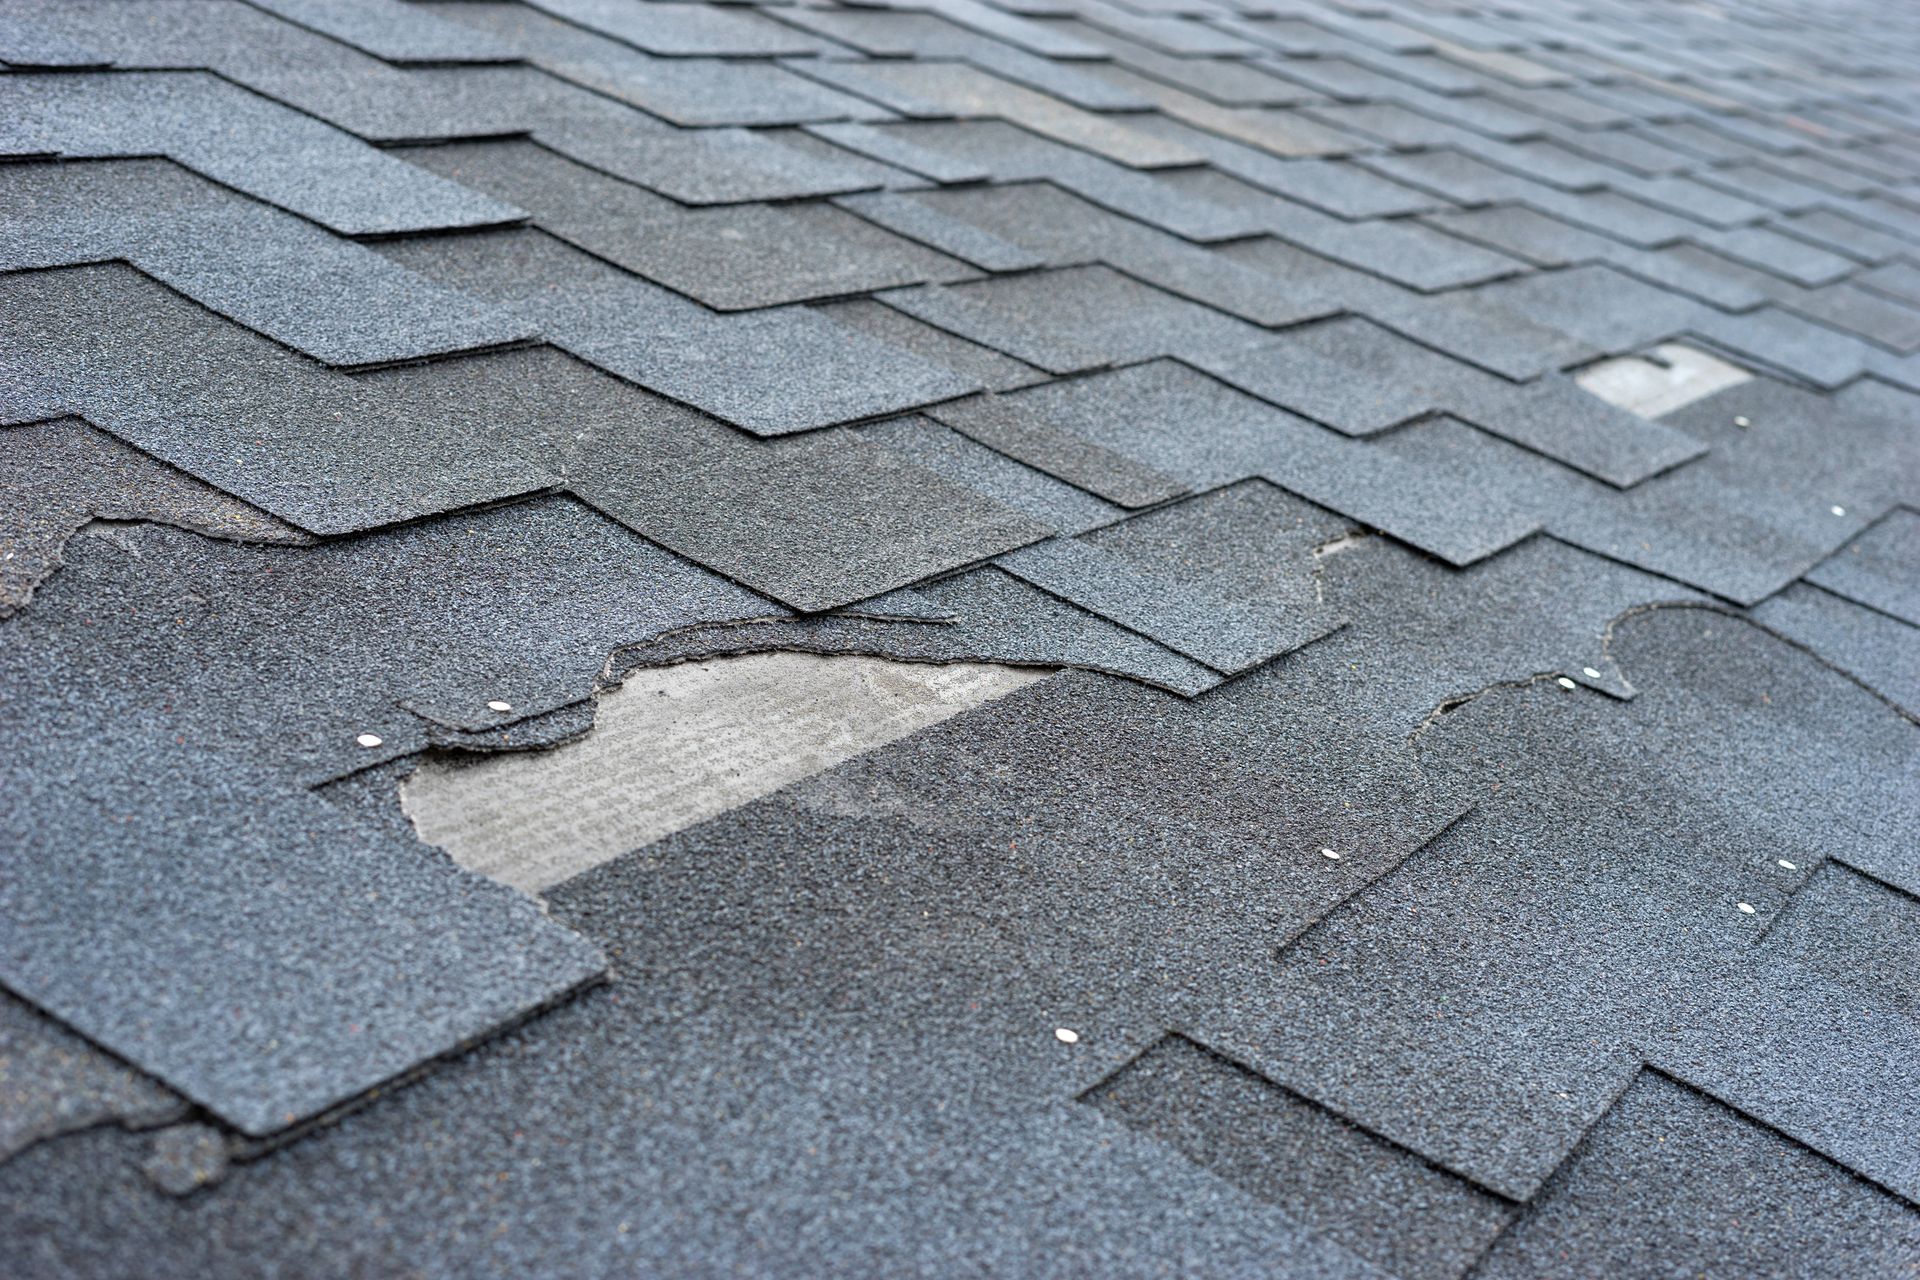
[(369, 740), (1066, 1036)]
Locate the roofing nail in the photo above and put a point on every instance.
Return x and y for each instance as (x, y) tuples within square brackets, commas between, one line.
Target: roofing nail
[(1066, 1036), (1788, 865), (1328, 853), (1565, 683), (1839, 511), (1746, 908), (369, 740), (497, 705), (1590, 673), (1742, 420)]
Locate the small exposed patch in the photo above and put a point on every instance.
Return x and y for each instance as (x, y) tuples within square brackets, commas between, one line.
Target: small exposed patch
[(1669, 377)]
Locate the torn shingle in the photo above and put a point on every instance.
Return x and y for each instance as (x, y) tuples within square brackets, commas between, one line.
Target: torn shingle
[(676, 745), (1467, 780), (287, 961), (53, 1082), (56, 476)]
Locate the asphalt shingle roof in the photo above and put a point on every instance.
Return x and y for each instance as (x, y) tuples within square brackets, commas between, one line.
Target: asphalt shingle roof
[(1476, 829)]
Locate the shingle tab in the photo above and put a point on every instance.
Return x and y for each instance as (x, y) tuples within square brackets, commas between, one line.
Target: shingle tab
[(268, 426), (215, 128), (327, 297), (790, 369)]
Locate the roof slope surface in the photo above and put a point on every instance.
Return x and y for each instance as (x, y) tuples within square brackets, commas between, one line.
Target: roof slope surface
[(1475, 826)]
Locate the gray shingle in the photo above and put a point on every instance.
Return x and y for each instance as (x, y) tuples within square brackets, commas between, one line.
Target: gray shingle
[(1383, 1202), (730, 257), (57, 476), (1880, 568), (683, 90), (686, 30), (1002, 423), (222, 131), (328, 297), (789, 369), (1079, 318), (815, 522), (945, 90), (267, 426)]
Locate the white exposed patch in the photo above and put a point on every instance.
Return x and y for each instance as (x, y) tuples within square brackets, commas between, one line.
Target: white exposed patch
[(498, 705), (1746, 908), (1329, 853), (677, 745), (1066, 1035), (1669, 377), (369, 740), (1839, 511), (1565, 683), (1788, 865), (1591, 673)]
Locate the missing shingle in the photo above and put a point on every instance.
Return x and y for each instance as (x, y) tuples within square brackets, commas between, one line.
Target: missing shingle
[(677, 745), (1669, 377)]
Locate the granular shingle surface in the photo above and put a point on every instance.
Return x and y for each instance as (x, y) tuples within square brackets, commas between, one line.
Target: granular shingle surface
[(1452, 825)]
